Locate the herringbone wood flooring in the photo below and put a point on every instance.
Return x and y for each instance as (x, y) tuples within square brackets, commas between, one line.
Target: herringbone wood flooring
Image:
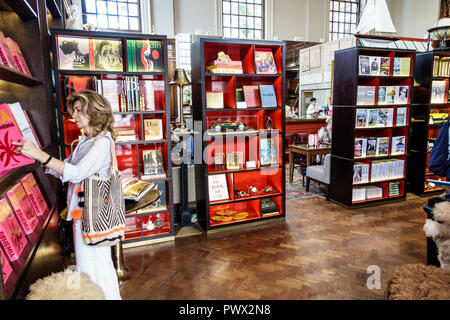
[(322, 251)]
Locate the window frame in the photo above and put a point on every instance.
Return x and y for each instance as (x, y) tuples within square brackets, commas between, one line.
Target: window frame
[(263, 20), (333, 14)]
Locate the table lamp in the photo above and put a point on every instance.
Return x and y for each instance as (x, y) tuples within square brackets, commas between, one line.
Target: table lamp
[(180, 80)]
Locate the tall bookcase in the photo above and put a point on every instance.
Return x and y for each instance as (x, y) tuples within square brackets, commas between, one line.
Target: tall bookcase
[(245, 145), (346, 131), (424, 130), (27, 23), (155, 223)]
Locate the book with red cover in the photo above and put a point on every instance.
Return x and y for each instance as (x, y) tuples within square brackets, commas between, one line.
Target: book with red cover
[(18, 56), (251, 96), (112, 89), (23, 208), (34, 194), (6, 267), (6, 57), (9, 132), (12, 237), (264, 61)]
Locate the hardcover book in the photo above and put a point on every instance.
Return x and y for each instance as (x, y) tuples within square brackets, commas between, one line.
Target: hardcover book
[(382, 146), (267, 152), (23, 208), (112, 90), (374, 66), (218, 187), (34, 194), (240, 100), (6, 267), (371, 147), (264, 61), (357, 172), (73, 53), (268, 96), (9, 132), (6, 57), (12, 237), (77, 84), (438, 91), (107, 54), (135, 189), (385, 65), (18, 56), (22, 122), (214, 100), (366, 95), (361, 118), (398, 145), (153, 129), (251, 95), (401, 95), (144, 55), (161, 203), (153, 164), (364, 65), (401, 116)]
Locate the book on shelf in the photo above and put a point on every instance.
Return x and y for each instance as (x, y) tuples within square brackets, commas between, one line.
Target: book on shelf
[(218, 187), (371, 147), (268, 154), (17, 55), (232, 161), (240, 100), (144, 55), (401, 95), (152, 91), (360, 172), (112, 90), (264, 61), (374, 65), (366, 95), (402, 67), (382, 147), (268, 96), (214, 100), (5, 266), (385, 117), (251, 96), (220, 66), (390, 94), (438, 91), (373, 192), (268, 207), (358, 194), (134, 189), (360, 147), (77, 84), (6, 57), (364, 65), (441, 66), (87, 53), (382, 95), (23, 209), (401, 116), (361, 118), (219, 161), (125, 134), (23, 123), (372, 119), (394, 189), (398, 145), (12, 237), (386, 169), (153, 164), (132, 95), (161, 203), (385, 65), (153, 129), (9, 132), (34, 194)]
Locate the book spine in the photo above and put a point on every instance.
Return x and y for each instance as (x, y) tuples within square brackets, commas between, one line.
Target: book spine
[(12, 254), (91, 55), (23, 220), (37, 209)]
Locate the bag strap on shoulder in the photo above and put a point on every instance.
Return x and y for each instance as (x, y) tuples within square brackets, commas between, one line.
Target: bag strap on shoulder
[(113, 150)]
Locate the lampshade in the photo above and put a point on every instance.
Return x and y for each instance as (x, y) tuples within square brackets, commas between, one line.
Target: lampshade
[(180, 78)]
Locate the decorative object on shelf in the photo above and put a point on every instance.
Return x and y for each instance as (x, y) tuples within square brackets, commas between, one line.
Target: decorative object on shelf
[(180, 79), (269, 125), (267, 152), (158, 222), (224, 64), (218, 187), (221, 126)]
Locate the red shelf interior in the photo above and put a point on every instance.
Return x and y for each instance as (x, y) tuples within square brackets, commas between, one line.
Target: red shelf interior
[(236, 52), (225, 84), (127, 125), (71, 131), (260, 180), (135, 227), (127, 160), (255, 80), (385, 191), (277, 52)]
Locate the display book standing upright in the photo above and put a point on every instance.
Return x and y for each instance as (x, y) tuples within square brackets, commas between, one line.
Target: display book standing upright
[(372, 92), (429, 109), (239, 102), (130, 71)]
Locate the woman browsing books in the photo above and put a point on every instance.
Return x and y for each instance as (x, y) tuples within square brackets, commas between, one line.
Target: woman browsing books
[(92, 114)]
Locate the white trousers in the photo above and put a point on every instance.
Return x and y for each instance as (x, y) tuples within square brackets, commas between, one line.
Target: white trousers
[(97, 263)]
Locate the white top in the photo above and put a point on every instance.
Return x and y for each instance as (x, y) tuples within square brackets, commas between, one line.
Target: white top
[(83, 163), (312, 109)]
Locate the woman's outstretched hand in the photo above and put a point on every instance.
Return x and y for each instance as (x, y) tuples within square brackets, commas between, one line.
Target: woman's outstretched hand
[(30, 150)]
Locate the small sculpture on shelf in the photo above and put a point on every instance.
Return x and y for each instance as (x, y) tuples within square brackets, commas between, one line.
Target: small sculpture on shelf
[(220, 126)]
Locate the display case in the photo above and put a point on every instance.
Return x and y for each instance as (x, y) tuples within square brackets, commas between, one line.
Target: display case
[(372, 95), (241, 108), (429, 110), (133, 77)]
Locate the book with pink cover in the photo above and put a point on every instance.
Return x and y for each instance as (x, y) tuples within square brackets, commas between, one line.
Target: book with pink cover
[(6, 57), (34, 194), (18, 56), (12, 237), (23, 208), (9, 132), (6, 267)]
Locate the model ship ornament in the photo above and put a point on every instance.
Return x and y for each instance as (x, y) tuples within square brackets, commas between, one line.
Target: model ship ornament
[(375, 25)]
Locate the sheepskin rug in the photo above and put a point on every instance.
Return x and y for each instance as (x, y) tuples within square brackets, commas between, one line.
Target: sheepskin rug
[(65, 285), (418, 282)]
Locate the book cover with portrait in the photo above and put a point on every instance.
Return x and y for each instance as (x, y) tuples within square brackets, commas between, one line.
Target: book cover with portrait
[(144, 55), (73, 53), (107, 54)]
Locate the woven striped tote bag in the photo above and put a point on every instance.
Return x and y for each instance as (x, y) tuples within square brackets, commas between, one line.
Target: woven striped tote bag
[(103, 219)]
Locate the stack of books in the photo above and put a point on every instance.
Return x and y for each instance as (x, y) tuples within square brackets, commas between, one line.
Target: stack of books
[(394, 189), (387, 169), (218, 66), (441, 67)]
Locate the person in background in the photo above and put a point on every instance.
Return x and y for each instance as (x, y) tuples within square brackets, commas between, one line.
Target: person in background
[(313, 110), (324, 133)]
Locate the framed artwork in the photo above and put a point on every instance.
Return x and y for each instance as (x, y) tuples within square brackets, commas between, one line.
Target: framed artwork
[(315, 56), (304, 60)]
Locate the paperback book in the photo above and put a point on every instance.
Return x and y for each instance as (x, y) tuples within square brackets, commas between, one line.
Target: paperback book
[(382, 147), (12, 237), (34, 194), (374, 65), (361, 118), (371, 147), (401, 116), (385, 65), (153, 164), (265, 63), (372, 120), (398, 145), (218, 187), (366, 95), (360, 147), (153, 129), (385, 117), (23, 209), (267, 152), (382, 95), (364, 65), (144, 55), (401, 94), (394, 189), (360, 172), (402, 67), (390, 94)]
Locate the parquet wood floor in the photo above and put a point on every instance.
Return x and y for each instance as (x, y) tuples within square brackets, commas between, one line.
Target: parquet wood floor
[(322, 251)]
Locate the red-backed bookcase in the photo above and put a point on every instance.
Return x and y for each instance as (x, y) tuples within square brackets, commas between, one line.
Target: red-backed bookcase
[(424, 130), (246, 144), (347, 78), (129, 151)]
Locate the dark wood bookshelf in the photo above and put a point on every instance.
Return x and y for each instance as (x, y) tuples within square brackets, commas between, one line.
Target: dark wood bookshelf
[(422, 131), (26, 22), (203, 51), (345, 105), (129, 153), (54, 8)]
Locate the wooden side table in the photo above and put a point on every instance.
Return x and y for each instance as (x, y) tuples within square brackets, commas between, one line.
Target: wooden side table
[(308, 151)]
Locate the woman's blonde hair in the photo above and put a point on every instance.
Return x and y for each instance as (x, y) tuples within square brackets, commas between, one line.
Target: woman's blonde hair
[(96, 108)]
